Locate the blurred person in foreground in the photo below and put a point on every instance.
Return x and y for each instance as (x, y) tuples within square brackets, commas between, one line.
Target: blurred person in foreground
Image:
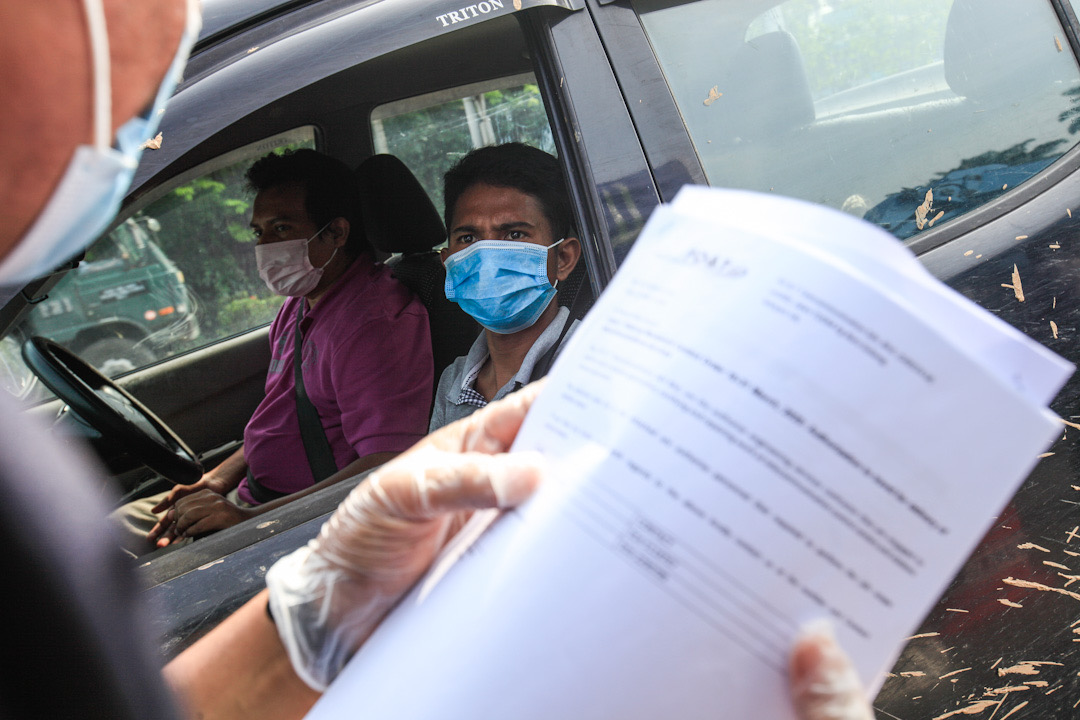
[(68, 146)]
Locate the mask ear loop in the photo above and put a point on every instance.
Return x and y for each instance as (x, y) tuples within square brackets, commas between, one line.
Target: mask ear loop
[(323, 266), (99, 56), (555, 244)]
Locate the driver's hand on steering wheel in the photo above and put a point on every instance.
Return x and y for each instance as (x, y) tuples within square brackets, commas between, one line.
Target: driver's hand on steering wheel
[(200, 513), (164, 532)]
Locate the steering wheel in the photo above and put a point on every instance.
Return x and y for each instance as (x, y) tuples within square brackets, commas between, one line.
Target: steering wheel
[(111, 410)]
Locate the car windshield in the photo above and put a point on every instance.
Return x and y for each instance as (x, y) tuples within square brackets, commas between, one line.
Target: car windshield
[(905, 113)]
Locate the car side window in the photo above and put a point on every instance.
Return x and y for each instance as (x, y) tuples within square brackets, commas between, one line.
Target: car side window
[(429, 133), (177, 274), (903, 112)]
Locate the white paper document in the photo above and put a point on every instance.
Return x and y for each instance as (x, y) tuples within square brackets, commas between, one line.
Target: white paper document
[(752, 429)]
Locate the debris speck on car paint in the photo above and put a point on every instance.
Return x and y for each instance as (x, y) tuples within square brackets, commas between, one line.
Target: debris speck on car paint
[(969, 252), (1021, 237), (1057, 43), (1031, 546), (1053, 328), (153, 143), (714, 95), (923, 210), (1029, 585), (1055, 247), (974, 708), (1017, 287), (1014, 710), (1009, 603), (1025, 667)]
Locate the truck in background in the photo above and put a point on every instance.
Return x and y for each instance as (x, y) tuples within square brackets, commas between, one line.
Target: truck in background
[(125, 306)]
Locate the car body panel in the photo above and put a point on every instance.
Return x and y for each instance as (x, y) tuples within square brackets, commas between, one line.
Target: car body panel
[(625, 148)]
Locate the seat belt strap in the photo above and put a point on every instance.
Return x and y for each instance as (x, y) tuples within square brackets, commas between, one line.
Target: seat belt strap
[(544, 363), (316, 446), (259, 492)]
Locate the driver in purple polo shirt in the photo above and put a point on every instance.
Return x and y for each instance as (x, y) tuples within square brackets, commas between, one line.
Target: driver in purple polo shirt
[(366, 359)]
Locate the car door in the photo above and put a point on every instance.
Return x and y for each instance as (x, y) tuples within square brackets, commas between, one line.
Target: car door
[(418, 82), (635, 114), (953, 126)]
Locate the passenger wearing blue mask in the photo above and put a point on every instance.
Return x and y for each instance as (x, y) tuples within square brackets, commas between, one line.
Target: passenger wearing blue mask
[(511, 241)]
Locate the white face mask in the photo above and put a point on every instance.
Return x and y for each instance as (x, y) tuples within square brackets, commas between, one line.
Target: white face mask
[(98, 176), (286, 268)]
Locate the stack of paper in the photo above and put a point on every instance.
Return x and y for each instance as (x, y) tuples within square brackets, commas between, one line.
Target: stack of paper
[(773, 414)]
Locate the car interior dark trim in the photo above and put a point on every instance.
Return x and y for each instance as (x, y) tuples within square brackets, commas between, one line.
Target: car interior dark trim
[(1000, 206), (648, 98)]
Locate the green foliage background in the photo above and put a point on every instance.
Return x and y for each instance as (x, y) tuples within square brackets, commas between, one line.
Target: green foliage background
[(847, 43), (204, 222), (431, 140)]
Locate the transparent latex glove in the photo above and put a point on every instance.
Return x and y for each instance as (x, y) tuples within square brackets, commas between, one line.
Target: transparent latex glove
[(327, 597), (824, 684)]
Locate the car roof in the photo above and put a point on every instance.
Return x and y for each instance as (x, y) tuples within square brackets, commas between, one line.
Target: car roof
[(223, 17)]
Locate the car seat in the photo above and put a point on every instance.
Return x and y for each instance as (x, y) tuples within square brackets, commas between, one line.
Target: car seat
[(400, 220), (1001, 50), (766, 90)]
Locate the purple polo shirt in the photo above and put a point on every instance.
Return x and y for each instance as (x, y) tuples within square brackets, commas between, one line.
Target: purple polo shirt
[(367, 369)]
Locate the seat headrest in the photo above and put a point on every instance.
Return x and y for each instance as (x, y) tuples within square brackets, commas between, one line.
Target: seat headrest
[(766, 92), (1004, 49), (398, 215)]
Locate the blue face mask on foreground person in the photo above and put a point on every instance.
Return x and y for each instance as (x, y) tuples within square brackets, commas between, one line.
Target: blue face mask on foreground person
[(502, 284)]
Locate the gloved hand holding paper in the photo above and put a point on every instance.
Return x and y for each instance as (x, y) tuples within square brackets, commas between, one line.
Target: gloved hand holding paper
[(754, 428)]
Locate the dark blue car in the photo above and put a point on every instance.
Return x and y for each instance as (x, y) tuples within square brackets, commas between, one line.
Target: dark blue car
[(951, 124)]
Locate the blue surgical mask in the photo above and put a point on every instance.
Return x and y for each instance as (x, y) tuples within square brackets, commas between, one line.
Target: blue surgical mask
[(503, 284), (98, 176)]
